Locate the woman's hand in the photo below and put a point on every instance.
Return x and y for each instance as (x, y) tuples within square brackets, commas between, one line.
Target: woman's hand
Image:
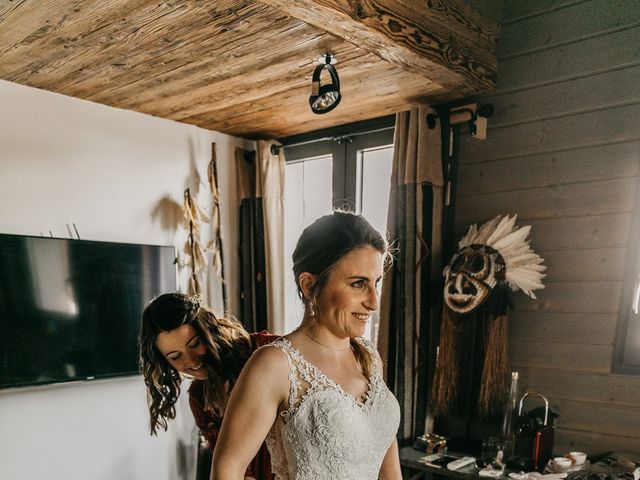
[(261, 387)]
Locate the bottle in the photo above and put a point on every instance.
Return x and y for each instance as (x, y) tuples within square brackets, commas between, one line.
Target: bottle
[(507, 435)]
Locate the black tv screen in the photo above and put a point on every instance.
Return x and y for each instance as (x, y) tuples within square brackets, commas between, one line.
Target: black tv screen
[(71, 309)]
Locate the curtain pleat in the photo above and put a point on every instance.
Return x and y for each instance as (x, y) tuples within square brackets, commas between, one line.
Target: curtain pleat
[(407, 303), (253, 304), (270, 181), (260, 178)]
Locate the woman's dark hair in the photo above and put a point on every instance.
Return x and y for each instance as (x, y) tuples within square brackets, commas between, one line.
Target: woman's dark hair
[(323, 244), (227, 343)]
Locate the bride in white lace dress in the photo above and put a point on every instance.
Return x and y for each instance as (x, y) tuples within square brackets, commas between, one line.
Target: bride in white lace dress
[(317, 394)]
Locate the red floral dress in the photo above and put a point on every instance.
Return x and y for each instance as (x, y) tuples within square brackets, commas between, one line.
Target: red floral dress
[(209, 424)]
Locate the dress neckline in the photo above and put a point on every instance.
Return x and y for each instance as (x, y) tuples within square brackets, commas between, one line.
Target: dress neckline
[(367, 393)]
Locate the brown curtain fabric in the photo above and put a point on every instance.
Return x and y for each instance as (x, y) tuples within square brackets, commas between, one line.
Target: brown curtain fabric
[(260, 177), (253, 292), (410, 295)]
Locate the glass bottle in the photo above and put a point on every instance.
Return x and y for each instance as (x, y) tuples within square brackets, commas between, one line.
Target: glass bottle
[(506, 435)]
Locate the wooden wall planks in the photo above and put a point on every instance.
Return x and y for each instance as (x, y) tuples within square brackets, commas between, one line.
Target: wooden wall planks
[(585, 297), (602, 127), (581, 95), (563, 328), (571, 385), (570, 61), (593, 198), (570, 357), (593, 264), (563, 152), (544, 31), (615, 160)]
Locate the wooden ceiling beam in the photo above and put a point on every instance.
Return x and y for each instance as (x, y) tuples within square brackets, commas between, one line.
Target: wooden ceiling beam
[(446, 41)]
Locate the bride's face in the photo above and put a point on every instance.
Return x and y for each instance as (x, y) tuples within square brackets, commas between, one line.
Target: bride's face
[(351, 293)]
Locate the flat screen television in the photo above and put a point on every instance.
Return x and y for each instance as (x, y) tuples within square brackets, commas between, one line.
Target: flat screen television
[(71, 309)]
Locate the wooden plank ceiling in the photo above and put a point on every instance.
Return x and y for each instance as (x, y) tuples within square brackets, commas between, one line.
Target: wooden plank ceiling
[(244, 67)]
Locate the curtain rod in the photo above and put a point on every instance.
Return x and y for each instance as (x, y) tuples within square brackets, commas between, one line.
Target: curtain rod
[(467, 113), (275, 149)]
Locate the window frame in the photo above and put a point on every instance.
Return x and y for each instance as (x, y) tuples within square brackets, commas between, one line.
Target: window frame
[(629, 324), (343, 144)]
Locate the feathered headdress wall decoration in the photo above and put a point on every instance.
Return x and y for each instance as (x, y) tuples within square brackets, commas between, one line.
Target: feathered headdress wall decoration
[(523, 266), (490, 261)]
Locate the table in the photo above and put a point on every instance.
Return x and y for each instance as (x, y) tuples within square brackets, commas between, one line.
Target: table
[(413, 469)]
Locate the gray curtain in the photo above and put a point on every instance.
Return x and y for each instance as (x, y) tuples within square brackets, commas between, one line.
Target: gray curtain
[(411, 289)]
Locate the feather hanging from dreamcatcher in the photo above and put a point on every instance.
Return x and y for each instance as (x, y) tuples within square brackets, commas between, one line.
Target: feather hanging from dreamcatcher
[(215, 244), (192, 249)]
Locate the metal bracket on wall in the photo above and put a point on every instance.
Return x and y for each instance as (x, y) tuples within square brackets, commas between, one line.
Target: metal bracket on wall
[(474, 115)]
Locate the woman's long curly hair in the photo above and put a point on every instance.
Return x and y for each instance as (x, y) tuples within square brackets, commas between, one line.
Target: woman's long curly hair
[(319, 249), (227, 343)]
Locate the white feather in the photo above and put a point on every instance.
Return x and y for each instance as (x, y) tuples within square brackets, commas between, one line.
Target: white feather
[(523, 266)]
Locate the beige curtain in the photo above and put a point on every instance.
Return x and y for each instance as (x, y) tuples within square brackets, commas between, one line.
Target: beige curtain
[(270, 184), (409, 301)]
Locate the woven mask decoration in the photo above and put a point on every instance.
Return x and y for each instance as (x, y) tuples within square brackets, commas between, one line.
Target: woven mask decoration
[(490, 261), (471, 276)]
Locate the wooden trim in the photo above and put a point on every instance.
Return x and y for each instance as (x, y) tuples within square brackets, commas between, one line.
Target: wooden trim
[(412, 35)]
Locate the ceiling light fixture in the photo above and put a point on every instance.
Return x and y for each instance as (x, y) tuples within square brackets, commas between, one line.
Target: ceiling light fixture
[(325, 98)]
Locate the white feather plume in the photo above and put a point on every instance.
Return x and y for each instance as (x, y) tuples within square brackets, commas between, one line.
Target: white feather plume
[(523, 266)]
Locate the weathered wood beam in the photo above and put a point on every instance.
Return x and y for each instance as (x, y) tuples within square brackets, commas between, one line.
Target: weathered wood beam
[(446, 41)]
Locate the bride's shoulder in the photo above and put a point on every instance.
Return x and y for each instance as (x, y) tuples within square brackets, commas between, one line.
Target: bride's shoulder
[(270, 356)]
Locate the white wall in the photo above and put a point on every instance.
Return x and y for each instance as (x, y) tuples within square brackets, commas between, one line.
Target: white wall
[(65, 161)]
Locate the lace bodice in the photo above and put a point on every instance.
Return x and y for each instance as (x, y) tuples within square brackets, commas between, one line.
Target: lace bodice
[(326, 433)]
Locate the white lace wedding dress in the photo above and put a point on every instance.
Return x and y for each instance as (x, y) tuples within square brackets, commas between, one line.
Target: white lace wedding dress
[(326, 433)]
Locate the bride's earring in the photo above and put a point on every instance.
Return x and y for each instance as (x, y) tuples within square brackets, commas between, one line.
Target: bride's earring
[(311, 306)]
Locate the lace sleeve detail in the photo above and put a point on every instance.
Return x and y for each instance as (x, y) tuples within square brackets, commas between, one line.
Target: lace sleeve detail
[(294, 386)]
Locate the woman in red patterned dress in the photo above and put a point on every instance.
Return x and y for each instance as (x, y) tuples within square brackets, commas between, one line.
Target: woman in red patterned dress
[(181, 337)]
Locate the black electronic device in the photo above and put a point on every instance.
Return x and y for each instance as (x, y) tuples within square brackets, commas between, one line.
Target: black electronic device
[(533, 436), (71, 309), (443, 460)]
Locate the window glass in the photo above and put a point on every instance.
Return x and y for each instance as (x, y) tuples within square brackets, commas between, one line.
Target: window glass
[(307, 196), (627, 347), (374, 172), (374, 183)]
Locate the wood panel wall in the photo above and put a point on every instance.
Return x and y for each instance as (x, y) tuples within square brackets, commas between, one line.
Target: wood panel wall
[(563, 152)]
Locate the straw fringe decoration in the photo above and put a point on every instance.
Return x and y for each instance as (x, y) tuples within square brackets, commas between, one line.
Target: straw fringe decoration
[(493, 384), (445, 381)]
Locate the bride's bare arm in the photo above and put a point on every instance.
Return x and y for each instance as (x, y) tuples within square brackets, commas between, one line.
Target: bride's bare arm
[(262, 386), (390, 469)]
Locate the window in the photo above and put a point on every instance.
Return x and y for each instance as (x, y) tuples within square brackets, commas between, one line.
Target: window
[(627, 346), (350, 171)]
